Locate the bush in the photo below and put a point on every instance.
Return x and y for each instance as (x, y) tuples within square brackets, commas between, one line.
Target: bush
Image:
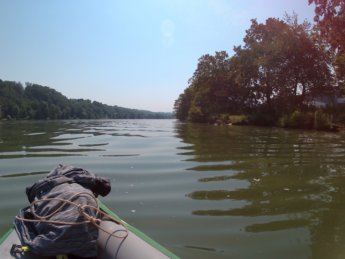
[(262, 119), (322, 121), (196, 115), (226, 118), (296, 120), (317, 120)]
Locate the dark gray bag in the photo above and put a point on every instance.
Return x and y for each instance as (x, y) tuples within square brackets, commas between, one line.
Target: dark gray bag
[(65, 230)]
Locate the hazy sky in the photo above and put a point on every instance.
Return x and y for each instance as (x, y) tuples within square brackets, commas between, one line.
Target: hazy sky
[(130, 53)]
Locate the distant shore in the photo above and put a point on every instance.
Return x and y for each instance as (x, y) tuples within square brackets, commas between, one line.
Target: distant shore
[(36, 102)]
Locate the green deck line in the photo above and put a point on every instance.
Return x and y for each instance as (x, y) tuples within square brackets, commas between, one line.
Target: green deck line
[(5, 236)]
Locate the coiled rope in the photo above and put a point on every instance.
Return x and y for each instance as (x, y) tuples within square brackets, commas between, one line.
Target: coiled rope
[(88, 219)]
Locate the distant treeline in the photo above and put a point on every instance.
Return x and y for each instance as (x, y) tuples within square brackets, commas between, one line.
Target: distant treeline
[(41, 102), (285, 72)]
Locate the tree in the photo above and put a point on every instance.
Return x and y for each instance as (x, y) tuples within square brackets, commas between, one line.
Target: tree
[(11, 98), (282, 65), (279, 70), (266, 50), (182, 104), (42, 102), (210, 84), (212, 90), (307, 67), (330, 23)]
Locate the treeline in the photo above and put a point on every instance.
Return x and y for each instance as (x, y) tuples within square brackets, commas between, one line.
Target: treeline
[(282, 75), (41, 102)]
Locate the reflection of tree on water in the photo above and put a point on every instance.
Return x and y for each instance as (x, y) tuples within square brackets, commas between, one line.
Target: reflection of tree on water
[(294, 179), (327, 225)]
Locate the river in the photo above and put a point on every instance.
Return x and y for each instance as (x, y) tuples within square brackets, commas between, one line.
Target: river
[(202, 191)]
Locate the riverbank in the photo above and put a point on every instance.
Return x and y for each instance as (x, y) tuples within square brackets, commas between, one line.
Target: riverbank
[(311, 120)]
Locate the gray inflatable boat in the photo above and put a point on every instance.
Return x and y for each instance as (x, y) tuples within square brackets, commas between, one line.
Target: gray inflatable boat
[(135, 245)]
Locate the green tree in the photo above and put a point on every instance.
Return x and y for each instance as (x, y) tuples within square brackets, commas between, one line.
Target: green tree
[(307, 68), (266, 48), (279, 69), (182, 104), (330, 23), (282, 66), (212, 90), (210, 84), (11, 99), (42, 102)]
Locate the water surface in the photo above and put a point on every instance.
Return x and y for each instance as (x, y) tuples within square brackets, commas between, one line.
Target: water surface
[(202, 191)]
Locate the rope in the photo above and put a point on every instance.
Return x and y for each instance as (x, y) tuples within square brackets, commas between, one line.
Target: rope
[(88, 219)]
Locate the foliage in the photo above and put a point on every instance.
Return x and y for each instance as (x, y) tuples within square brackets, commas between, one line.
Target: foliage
[(280, 69), (213, 90), (41, 103), (228, 119), (297, 119), (330, 24), (338, 113), (182, 105), (318, 120), (261, 119), (287, 67), (322, 121)]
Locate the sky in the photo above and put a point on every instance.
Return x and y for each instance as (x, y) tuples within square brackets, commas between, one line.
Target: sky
[(130, 53)]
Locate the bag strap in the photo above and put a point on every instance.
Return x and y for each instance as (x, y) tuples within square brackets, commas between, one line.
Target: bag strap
[(45, 185)]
